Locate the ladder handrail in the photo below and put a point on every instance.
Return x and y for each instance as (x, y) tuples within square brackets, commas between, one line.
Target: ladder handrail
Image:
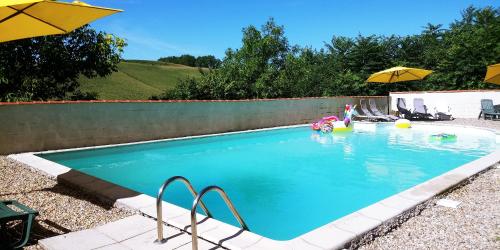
[(159, 211), (220, 191)]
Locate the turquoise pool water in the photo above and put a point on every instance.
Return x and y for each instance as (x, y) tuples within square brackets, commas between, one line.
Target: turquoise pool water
[(286, 182)]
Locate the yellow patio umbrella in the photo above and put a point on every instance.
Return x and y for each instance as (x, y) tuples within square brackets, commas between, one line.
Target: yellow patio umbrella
[(399, 74), (493, 74), (31, 18)]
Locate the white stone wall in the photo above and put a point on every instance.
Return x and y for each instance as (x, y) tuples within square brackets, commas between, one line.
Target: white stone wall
[(461, 104)]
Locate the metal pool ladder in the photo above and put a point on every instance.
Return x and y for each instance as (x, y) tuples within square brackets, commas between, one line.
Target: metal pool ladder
[(159, 211), (197, 200)]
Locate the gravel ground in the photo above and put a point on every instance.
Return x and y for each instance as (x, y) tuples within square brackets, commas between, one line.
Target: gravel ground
[(475, 224), (62, 209), (474, 122)]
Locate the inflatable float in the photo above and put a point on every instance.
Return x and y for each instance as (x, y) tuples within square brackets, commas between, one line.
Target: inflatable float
[(330, 124), (340, 127), (324, 121), (402, 123), (443, 137)]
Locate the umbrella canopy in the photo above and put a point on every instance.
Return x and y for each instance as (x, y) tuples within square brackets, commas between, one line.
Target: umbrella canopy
[(493, 74), (399, 74), (31, 18)]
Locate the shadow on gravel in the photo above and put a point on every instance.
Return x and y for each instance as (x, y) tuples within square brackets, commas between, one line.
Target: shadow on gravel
[(41, 229), (23, 193)]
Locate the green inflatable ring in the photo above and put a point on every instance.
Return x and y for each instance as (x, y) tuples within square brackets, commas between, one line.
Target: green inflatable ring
[(443, 137)]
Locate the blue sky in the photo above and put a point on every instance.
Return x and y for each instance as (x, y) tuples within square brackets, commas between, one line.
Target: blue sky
[(157, 28)]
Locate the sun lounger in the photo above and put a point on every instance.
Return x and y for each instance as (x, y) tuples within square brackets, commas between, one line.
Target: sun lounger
[(488, 110), (401, 105), (376, 111), (420, 110), (443, 116), (442, 112), (365, 114), (23, 213)]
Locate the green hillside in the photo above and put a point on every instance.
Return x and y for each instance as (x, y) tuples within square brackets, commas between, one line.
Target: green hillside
[(138, 80)]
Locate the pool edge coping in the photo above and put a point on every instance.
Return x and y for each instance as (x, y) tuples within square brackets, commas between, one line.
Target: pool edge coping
[(346, 229)]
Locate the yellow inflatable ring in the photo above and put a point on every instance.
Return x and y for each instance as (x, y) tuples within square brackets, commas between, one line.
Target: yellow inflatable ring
[(403, 123), (342, 129)]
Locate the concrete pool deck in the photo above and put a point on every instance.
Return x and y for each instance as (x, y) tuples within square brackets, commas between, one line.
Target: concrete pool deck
[(134, 232), (345, 229)]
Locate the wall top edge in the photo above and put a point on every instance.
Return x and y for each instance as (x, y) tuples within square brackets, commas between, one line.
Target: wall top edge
[(446, 91), (180, 101)]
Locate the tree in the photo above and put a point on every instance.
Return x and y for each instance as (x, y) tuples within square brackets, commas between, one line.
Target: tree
[(48, 67), (187, 60), (471, 43), (208, 61), (248, 72), (267, 66)]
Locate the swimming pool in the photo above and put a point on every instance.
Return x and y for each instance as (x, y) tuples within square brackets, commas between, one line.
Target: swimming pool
[(275, 175)]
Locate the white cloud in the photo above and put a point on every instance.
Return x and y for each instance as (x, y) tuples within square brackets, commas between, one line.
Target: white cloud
[(144, 45), (152, 43)]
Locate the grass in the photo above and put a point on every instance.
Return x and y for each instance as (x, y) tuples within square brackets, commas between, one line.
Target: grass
[(138, 80)]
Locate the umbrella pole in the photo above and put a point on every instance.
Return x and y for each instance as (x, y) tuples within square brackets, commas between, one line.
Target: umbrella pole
[(389, 102)]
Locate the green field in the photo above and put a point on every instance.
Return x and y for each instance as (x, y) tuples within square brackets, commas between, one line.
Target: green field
[(138, 80)]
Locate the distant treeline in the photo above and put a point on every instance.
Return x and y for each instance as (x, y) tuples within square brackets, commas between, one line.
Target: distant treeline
[(189, 60), (145, 62), (267, 66)]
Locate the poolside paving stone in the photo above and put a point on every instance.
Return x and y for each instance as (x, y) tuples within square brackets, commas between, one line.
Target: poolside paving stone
[(478, 165), (417, 193), (301, 244), (399, 202), (356, 223), (439, 184), (127, 228), (295, 244), (81, 240), (203, 223), (202, 245), (175, 238), (136, 202), (430, 188), (456, 177), (328, 237), (48, 168), (52, 168), (133, 232), (169, 211), (230, 236), (379, 212), (116, 246)]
